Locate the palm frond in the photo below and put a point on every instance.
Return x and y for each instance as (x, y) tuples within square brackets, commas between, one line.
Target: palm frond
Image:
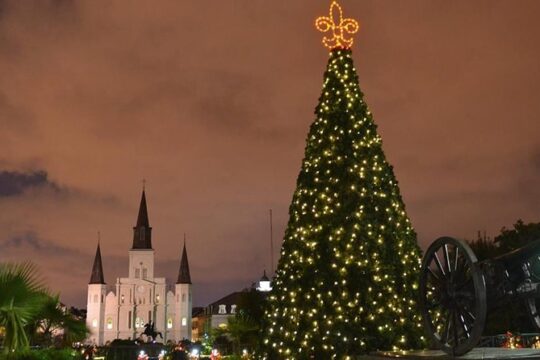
[(22, 295)]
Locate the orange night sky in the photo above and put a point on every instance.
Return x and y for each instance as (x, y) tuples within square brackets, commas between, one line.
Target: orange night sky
[(210, 102)]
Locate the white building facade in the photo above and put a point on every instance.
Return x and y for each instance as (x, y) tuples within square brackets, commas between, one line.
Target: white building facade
[(122, 311)]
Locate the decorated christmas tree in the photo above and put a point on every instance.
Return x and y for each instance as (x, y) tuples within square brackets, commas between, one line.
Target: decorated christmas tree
[(346, 281)]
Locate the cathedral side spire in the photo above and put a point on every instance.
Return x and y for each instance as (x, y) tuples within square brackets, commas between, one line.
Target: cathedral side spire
[(142, 232), (183, 274), (97, 270)]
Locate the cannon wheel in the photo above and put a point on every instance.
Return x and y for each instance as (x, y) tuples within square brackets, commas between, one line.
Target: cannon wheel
[(452, 296)]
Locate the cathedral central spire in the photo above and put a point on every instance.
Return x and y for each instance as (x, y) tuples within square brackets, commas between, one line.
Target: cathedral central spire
[(142, 219), (142, 232)]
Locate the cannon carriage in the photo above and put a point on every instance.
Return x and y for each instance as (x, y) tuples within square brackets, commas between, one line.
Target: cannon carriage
[(457, 291)]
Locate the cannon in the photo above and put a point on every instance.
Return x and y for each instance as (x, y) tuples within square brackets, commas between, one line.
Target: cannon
[(457, 291)]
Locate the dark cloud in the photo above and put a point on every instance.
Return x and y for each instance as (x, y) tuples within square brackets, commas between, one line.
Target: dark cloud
[(16, 183), (33, 242)]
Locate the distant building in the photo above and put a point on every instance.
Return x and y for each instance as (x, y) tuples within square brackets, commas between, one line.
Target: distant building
[(216, 314), (197, 324), (122, 311)]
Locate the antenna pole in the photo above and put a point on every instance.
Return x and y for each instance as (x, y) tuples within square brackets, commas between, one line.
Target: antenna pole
[(271, 244)]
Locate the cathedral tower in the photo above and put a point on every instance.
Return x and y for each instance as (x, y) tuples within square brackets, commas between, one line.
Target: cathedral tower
[(141, 254), (183, 303), (96, 300), (141, 298)]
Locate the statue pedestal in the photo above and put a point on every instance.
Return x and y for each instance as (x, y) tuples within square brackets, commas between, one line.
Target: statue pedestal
[(474, 354)]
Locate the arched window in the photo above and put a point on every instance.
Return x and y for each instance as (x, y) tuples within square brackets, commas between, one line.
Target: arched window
[(222, 309), (138, 322), (184, 321), (109, 324)]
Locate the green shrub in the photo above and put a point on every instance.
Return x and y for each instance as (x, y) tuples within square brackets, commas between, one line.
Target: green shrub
[(45, 354)]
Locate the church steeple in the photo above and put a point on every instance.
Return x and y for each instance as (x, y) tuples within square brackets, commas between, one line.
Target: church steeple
[(142, 219), (142, 232), (183, 274), (97, 270)]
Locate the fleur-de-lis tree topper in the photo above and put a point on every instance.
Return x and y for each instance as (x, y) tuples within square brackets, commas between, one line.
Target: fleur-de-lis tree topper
[(339, 26)]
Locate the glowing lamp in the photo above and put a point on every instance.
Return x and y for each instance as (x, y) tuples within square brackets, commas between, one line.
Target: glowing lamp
[(264, 284)]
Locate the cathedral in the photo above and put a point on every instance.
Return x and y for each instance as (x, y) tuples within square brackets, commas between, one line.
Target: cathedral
[(121, 311)]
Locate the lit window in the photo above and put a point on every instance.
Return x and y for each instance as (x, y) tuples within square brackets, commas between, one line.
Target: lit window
[(138, 323), (233, 309), (169, 323), (222, 309), (184, 321), (94, 323), (157, 298), (122, 298), (109, 323)]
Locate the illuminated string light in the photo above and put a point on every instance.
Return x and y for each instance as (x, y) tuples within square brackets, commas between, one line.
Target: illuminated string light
[(346, 281), (338, 26)]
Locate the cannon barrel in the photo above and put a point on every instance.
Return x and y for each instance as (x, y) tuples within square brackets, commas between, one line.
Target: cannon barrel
[(515, 259)]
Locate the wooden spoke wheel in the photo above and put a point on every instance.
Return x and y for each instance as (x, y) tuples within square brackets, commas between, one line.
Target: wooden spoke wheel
[(452, 296)]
